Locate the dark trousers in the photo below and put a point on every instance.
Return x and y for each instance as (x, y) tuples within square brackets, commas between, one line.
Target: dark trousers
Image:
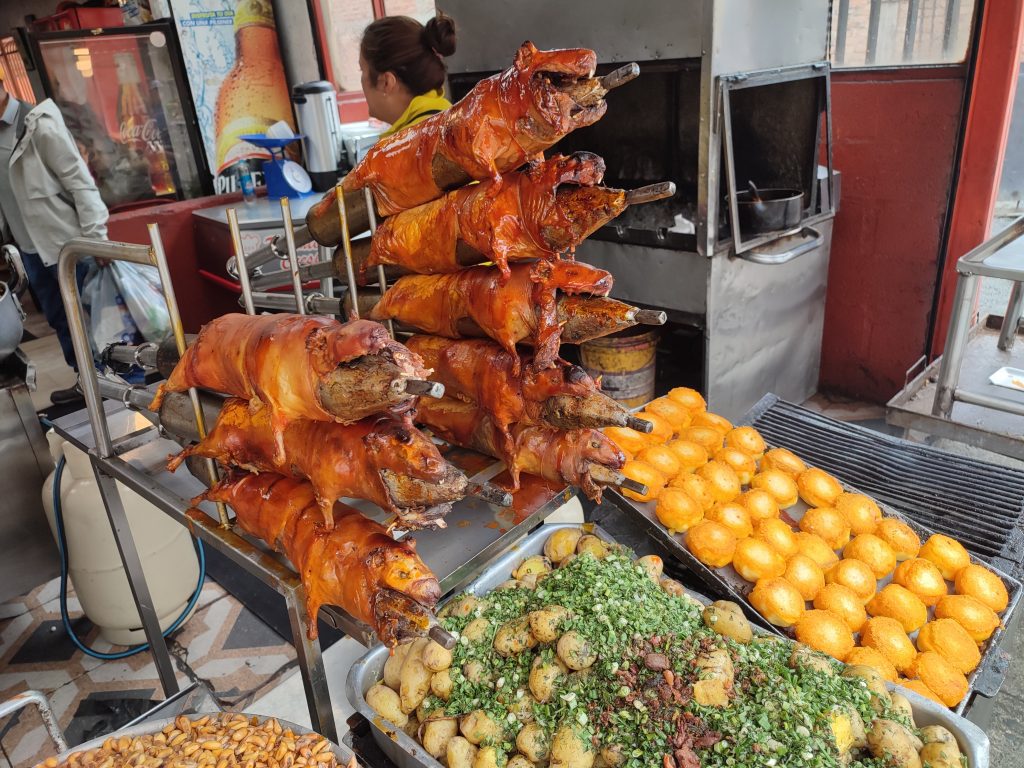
[(46, 291)]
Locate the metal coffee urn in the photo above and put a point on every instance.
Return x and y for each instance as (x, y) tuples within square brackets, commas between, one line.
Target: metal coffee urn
[(316, 107)]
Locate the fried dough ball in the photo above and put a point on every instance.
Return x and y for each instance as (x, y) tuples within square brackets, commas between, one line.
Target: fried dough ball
[(714, 421), (781, 486), (661, 429), (711, 543), (901, 537), (812, 545), (689, 454), (872, 550), (628, 439), (886, 636), (980, 583), (978, 619), (697, 487), (674, 413), (760, 504), (948, 683), (901, 604), (869, 657), (662, 459), (746, 439), (778, 601), (722, 482), (920, 689), (854, 574), (818, 488), (741, 463), (806, 575), (948, 554), (677, 510), (690, 399), (710, 438), (825, 632), (923, 578), (828, 523), (783, 460), (860, 511), (754, 559), (777, 535), (951, 641), (646, 474), (734, 517), (844, 603)]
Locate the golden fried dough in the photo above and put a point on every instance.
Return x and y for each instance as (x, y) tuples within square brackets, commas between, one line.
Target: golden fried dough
[(921, 690), (711, 543), (661, 429), (854, 574), (825, 632), (697, 487), (901, 604), (777, 534), (948, 683), (978, 619), (951, 641), (900, 536), (860, 511), (806, 575), (872, 550), (781, 486), (844, 603), (690, 455), (733, 516), (818, 488), (746, 439), (628, 439), (814, 547), (981, 583), (662, 458), (710, 438), (755, 559), (718, 423), (741, 463), (760, 504), (690, 399), (646, 474), (677, 415), (783, 460), (777, 601), (677, 510), (923, 578), (869, 657), (828, 523), (722, 481), (886, 636), (948, 554)]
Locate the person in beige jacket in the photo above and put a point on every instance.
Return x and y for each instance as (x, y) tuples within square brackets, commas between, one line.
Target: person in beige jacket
[(47, 197)]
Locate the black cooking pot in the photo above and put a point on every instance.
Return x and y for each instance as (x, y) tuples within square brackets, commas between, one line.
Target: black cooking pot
[(769, 210)]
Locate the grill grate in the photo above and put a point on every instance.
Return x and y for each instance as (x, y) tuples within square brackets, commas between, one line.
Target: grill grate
[(980, 504)]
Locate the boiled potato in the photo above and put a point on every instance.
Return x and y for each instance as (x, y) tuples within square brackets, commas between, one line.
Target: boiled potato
[(932, 734), (534, 566), (873, 681), (514, 637), (714, 678), (940, 755), (533, 742), (726, 618), (475, 671), (546, 622), (901, 703), (386, 703), (590, 544), (425, 713), (529, 581), (575, 651), (518, 761), (435, 734), (477, 726), (654, 566), (412, 728), (488, 757), (441, 684), (847, 730), (510, 584), (561, 544), (415, 677), (466, 605), (673, 587), (522, 707), (570, 751), (612, 755), (460, 753), (476, 630), (807, 657), (393, 666), (887, 738), (543, 676), (436, 657)]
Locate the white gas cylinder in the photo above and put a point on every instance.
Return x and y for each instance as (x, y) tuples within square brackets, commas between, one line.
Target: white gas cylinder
[(94, 565)]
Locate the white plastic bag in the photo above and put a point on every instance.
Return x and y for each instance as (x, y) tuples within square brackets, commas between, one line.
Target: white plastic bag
[(140, 287), (109, 319)]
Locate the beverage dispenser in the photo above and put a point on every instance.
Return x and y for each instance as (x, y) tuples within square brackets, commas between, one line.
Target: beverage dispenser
[(316, 107)]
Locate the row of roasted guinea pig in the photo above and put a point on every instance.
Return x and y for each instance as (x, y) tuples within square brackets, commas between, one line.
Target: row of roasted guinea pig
[(727, 492)]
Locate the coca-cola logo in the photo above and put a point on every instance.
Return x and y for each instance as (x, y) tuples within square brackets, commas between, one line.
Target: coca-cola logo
[(133, 130)]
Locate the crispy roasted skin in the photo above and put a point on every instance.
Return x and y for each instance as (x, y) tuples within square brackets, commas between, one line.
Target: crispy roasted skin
[(526, 216), (391, 464), (522, 309), (561, 456), (501, 123), (282, 360), (355, 565)]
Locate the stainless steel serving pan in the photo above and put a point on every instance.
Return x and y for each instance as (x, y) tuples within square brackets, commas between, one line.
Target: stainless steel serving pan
[(404, 752)]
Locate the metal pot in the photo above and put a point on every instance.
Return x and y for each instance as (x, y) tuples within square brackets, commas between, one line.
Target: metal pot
[(769, 210), (12, 320)]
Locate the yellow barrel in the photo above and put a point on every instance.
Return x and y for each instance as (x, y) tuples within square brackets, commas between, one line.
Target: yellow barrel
[(625, 363)]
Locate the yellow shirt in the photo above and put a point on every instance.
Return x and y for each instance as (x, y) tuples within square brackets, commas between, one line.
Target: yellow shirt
[(420, 108)]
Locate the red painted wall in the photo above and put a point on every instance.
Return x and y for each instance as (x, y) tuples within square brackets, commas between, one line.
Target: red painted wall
[(894, 140)]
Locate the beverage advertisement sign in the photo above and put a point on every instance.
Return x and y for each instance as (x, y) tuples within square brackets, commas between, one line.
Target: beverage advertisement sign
[(237, 79)]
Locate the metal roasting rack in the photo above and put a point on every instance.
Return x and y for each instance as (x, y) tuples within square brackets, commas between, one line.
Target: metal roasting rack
[(128, 447)]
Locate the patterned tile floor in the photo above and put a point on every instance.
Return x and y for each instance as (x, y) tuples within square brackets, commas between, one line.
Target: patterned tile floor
[(222, 644)]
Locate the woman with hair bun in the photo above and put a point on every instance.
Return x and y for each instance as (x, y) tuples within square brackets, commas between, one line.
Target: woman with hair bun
[(403, 69)]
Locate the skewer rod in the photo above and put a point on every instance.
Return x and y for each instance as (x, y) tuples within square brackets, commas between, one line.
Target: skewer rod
[(651, 192), (346, 245), (606, 476), (442, 637), (651, 317), (492, 494), (243, 267), (620, 76), (640, 425), (293, 256), (382, 278), (423, 387)]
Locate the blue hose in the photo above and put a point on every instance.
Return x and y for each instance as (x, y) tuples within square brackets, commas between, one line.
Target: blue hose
[(58, 515)]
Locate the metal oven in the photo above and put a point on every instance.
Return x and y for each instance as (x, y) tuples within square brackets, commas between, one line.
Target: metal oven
[(730, 92)]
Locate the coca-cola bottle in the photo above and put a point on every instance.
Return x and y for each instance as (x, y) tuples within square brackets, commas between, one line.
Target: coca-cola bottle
[(140, 132)]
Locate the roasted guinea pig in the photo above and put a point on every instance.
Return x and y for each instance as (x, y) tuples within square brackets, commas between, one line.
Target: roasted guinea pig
[(299, 366), (392, 464), (355, 565), (578, 457), (501, 123), (537, 213), (521, 309)]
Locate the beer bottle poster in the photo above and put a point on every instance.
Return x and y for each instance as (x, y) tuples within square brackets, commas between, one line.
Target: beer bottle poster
[(237, 80)]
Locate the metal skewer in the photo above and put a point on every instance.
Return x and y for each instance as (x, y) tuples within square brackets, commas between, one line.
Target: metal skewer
[(607, 476), (293, 256), (490, 493), (243, 271), (620, 76), (442, 637), (420, 387), (651, 317), (640, 425), (346, 245), (650, 193), (382, 279)]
